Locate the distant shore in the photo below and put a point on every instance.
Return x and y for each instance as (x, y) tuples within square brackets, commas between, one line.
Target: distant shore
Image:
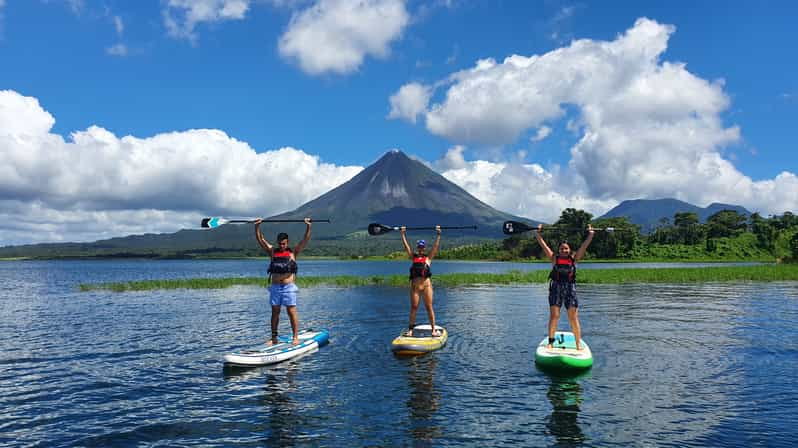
[(760, 273)]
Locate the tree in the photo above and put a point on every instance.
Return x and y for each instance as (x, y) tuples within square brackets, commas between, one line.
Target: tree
[(620, 243), (764, 230), (785, 221), (725, 223), (571, 227), (688, 228), (685, 219)]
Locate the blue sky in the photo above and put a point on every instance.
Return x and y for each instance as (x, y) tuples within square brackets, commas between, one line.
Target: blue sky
[(120, 117)]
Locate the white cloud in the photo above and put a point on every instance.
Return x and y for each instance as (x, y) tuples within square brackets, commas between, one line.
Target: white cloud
[(117, 50), (522, 189), (104, 185), (335, 36), (182, 16), (646, 127), (410, 101), (542, 133)]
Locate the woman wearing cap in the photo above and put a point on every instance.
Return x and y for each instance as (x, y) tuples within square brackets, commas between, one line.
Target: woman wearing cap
[(420, 282), (282, 271), (562, 283)]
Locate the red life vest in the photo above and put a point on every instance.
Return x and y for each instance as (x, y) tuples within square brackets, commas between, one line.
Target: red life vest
[(564, 269), (420, 268), (282, 263)]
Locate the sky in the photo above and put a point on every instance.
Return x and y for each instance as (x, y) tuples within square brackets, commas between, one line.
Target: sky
[(128, 117)]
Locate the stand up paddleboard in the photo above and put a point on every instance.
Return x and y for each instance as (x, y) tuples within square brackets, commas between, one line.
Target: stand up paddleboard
[(420, 342), (563, 356), (308, 340)]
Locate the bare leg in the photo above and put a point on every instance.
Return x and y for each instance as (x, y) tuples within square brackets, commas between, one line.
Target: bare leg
[(294, 318), (413, 308), (427, 292), (573, 318), (275, 324), (554, 316)]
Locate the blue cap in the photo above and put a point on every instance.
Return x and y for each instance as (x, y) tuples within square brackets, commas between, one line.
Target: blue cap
[(421, 243)]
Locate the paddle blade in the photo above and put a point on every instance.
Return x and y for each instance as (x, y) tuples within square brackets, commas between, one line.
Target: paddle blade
[(514, 227), (212, 223), (378, 229)]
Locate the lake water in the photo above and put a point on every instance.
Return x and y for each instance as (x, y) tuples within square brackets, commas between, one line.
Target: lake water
[(675, 365)]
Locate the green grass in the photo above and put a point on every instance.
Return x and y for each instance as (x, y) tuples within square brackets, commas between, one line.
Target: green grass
[(761, 273)]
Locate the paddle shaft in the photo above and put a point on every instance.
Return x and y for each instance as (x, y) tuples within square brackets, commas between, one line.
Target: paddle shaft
[(433, 228), (250, 221)]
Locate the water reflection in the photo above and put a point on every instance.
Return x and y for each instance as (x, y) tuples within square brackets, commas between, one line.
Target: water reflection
[(565, 395), (275, 388), (424, 399), (281, 410)]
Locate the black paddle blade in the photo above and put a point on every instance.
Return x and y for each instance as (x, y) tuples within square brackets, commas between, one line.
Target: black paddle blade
[(378, 229), (513, 227)]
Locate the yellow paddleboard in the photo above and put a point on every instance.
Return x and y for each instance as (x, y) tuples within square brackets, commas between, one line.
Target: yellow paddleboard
[(420, 342)]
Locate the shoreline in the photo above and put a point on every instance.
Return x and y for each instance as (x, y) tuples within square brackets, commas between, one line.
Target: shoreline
[(759, 273)]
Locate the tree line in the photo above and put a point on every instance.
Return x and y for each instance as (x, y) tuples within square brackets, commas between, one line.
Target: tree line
[(726, 233)]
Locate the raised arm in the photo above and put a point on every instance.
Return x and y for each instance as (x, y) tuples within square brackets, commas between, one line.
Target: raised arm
[(305, 239), (261, 240), (402, 231), (436, 245), (539, 237), (583, 248)]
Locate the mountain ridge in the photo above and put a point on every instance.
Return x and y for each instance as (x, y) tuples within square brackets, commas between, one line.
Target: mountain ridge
[(647, 213)]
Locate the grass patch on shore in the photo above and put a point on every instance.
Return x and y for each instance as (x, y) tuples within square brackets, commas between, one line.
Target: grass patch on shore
[(759, 273)]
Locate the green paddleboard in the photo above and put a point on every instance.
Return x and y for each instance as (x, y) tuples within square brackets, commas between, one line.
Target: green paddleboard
[(563, 356)]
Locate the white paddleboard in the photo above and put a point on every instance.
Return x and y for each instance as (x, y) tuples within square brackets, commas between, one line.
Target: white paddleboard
[(308, 340)]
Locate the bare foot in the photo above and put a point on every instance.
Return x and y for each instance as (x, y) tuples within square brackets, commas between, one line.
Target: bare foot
[(272, 341), (549, 346), (295, 341), (436, 333)]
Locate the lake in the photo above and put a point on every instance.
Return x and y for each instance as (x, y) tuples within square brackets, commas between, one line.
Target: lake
[(675, 365)]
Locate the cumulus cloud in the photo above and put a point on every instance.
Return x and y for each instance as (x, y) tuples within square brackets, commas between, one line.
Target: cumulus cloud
[(524, 189), (645, 127), (182, 16), (335, 36), (410, 101), (120, 185)]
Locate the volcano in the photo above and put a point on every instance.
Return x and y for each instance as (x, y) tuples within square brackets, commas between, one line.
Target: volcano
[(397, 190)]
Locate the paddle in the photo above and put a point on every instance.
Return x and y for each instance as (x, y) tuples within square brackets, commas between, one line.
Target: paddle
[(514, 227), (379, 229), (214, 222)]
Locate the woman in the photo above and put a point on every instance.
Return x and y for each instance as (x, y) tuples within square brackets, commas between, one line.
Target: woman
[(420, 282), (562, 283), (282, 271)]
